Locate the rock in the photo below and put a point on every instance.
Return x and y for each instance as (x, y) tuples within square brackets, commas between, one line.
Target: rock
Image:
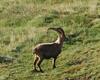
[(6, 59)]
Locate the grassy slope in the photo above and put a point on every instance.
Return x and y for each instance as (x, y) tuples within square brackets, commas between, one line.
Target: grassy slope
[(23, 24)]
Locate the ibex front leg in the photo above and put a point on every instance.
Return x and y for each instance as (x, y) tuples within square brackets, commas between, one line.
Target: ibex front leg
[(54, 63)]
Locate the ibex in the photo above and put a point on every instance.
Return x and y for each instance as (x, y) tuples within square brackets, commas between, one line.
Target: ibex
[(49, 50)]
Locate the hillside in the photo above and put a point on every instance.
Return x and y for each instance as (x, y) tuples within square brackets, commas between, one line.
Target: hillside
[(24, 23)]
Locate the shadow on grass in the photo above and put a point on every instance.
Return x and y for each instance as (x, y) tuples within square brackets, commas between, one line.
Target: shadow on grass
[(6, 59), (72, 38)]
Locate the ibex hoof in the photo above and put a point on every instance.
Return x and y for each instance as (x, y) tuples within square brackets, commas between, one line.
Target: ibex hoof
[(35, 70), (54, 67), (42, 71)]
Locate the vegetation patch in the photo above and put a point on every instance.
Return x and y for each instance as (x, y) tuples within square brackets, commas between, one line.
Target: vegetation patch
[(24, 24)]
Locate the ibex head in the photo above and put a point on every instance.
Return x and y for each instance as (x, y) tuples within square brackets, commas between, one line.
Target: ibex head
[(59, 31)]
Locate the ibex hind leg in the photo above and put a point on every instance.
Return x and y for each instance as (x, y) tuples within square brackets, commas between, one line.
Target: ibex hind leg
[(35, 63), (39, 63)]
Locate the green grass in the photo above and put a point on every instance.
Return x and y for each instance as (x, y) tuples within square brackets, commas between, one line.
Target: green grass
[(24, 23)]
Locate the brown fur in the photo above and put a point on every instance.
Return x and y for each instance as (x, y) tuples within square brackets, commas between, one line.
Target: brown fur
[(49, 50)]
